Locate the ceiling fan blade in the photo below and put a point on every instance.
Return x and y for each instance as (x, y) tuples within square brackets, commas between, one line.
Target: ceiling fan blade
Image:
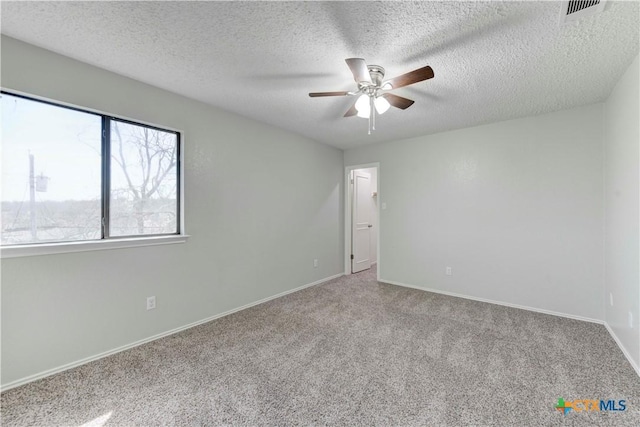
[(411, 77), (316, 94), (398, 101), (351, 111), (359, 69)]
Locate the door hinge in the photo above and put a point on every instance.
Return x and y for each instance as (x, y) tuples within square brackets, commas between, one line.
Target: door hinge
[(351, 256)]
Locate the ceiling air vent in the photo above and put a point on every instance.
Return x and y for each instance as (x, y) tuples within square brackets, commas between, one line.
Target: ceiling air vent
[(572, 10)]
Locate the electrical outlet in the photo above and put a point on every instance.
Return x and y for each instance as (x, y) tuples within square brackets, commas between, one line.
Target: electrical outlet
[(315, 263), (610, 299), (631, 320), (151, 303), (449, 271)]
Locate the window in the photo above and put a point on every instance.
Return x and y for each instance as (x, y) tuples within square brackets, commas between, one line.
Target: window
[(143, 180), (71, 175)]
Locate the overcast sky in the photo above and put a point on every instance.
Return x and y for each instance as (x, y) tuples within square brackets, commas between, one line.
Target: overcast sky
[(66, 148)]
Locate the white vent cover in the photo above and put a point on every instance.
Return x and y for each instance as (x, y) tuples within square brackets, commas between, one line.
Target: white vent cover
[(572, 10)]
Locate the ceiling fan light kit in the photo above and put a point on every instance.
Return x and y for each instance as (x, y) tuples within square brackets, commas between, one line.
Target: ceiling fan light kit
[(374, 93), (363, 105), (381, 104)]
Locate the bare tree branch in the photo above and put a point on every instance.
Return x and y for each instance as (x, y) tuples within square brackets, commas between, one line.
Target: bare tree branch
[(161, 177), (155, 152), (122, 162)]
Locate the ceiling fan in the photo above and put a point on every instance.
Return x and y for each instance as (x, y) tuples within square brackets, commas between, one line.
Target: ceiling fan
[(373, 90)]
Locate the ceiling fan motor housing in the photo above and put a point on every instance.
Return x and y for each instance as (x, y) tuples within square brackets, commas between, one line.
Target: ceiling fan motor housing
[(377, 74)]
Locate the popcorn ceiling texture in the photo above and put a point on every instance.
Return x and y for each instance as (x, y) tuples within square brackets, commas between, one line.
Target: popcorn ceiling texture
[(350, 352), (492, 60)]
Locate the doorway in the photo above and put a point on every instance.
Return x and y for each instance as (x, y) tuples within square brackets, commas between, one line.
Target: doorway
[(362, 218)]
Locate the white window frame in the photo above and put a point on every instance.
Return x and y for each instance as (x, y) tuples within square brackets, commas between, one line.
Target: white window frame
[(49, 248)]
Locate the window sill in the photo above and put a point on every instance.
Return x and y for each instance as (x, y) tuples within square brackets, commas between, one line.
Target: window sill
[(94, 245)]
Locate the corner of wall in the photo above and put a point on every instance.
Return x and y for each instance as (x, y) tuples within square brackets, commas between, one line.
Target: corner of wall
[(621, 194)]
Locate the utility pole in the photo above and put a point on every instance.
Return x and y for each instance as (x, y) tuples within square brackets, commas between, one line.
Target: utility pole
[(32, 199)]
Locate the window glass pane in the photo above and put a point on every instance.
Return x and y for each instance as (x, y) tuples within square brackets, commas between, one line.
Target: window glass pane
[(143, 180), (51, 173)]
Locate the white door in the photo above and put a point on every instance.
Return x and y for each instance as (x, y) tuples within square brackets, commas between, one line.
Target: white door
[(361, 224)]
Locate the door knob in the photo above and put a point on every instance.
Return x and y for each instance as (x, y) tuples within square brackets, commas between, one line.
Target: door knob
[(370, 225)]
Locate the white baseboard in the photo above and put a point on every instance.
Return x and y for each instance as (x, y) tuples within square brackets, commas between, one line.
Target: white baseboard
[(506, 304), (622, 347), (524, 307), (80, 362)]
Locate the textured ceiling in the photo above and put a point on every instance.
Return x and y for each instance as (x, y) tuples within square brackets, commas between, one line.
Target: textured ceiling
[(492, 60)]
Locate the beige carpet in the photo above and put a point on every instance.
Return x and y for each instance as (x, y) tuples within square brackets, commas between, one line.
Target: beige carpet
[(349, 352)]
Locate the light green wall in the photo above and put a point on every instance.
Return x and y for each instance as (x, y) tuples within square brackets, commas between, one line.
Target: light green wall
[(622, 214), (261, 204), (514, 207)]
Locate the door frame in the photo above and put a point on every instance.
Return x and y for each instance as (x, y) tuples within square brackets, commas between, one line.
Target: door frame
[(348, 220)]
